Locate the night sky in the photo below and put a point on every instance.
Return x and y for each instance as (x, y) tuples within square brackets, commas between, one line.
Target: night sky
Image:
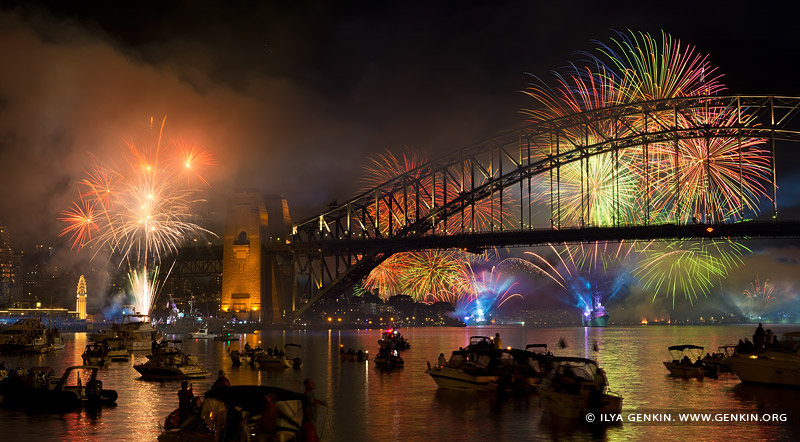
[(292, 96)]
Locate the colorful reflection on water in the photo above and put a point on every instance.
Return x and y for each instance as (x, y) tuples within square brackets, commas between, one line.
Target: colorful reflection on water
[(368, 404)]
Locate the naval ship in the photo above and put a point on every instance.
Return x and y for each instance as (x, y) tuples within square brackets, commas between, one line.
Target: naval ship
[(597, 316)]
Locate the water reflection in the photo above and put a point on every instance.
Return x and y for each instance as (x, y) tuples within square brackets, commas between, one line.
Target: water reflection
[(369, 404)]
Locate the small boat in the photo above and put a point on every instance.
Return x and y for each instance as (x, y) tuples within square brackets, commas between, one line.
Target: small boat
[(95, 354), (718, 358), (686, 363), (574, 386), (54, 339), (202, 333), (266, 360), (393, 339), (353, 356), (117, 351), (778, 365), (293, 352), (226, 410), (478, 367), (527, 369), (40, 390), (27, 335), (169, 362), (389, 362), (227, 335)]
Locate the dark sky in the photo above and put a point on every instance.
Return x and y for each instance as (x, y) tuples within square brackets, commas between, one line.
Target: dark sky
[(292, 96)]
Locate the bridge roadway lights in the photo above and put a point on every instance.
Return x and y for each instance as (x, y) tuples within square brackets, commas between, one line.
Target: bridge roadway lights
[(476, 242)]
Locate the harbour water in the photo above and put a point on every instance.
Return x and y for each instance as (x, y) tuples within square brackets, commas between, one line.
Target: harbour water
[(367, 404)]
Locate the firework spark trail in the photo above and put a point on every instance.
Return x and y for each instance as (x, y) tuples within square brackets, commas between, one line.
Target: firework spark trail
[(488, 292), (139, 212), (758, 298), (688, 267)]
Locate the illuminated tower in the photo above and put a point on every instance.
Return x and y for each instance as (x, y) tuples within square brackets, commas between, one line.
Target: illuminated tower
[(257, 265), (245, 228), (81, 307)]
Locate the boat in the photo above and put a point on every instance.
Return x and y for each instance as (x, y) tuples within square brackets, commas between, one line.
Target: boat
[(40, 390), (273, 359), (575, 386), (227, 335), (596, 316), (686, 363), (95, 353), (168, 362), (54, 339), (226, 410), (527, 368), (478, 367), (134, 330), (393, 339), (202, 333), (117, 351), (352, 355), (27, 335), (778, 365), (293, 352), (718, 358)]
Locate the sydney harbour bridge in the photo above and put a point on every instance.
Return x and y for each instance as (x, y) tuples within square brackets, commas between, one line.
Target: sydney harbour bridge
[(692, 167)]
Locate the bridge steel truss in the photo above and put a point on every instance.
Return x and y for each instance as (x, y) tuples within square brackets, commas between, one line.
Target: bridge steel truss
[(500, 186)]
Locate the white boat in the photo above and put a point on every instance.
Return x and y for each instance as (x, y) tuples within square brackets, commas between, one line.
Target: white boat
[(135, 331), (266, 361), (475, 368), (169, 362), (686, 363), (780, 365), (202, 333), (576, 386), (27, 335)]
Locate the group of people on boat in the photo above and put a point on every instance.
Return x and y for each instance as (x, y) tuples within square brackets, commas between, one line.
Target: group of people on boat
[(191, 406), (762, 340)]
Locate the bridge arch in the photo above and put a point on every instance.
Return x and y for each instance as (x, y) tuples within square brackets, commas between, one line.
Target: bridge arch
[(495, 187)]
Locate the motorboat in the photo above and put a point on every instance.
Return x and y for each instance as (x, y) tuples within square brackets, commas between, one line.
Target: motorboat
[(169, 362), (95, 353), (686, 363), (136, 332), (117, 351), (478, 367), (202, 333), (718, 358), (393, 339), (293, 353), (272, 361), (527, 369), (575, 386), (392, 360), (226, 410), (40, 390), (227, 335), (54, 339), (778, 365), (244, 356), (27, 335)]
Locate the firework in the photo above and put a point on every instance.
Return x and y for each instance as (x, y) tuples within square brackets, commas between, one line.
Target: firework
[(489, 290), (419, 190), (757, 298), (139, 212), (691, 268)]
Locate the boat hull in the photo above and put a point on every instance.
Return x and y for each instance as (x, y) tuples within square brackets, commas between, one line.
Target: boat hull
[(457, 379), (159, 373), (766, 369), (684, 371), (576, 405), (600, 321)]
